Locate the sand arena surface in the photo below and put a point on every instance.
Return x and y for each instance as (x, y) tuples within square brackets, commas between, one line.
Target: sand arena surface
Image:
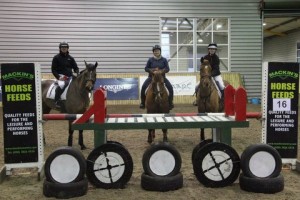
[(23, 183)]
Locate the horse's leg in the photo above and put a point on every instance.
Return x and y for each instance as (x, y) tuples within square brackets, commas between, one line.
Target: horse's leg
[(151, 135), (46, 110), (80, 140), (70, 138), (165, 138), (202, 136)]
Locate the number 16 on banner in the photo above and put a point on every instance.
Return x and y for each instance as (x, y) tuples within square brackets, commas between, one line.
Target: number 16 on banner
[(281, 104)]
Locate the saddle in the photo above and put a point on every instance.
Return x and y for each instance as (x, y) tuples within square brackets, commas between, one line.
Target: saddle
[(164, 86), (52, 89), (216, 85)]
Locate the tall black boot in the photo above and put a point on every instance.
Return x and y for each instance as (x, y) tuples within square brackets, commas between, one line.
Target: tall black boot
[(171, 105), (222, 95), (58, 92), (143, 99)]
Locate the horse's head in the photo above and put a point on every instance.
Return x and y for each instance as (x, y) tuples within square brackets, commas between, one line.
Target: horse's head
[(157, 75), (205, 69), (89, 75), (205, 74)]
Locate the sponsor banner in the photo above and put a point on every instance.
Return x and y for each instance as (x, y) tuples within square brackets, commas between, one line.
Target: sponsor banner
[(182, 85), (282, 108), (19, 113), (119, 88)]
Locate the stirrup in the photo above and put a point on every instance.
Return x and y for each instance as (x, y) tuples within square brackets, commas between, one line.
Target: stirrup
[(171, 106)]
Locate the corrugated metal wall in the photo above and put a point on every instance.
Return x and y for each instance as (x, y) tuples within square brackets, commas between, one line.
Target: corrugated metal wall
[(281, 49), (119, 34)]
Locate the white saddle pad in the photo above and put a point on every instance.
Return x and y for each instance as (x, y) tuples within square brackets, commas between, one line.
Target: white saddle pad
[(52, 88)]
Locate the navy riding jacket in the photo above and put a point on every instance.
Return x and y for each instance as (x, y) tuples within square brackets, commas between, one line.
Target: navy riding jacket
[(160, 63)]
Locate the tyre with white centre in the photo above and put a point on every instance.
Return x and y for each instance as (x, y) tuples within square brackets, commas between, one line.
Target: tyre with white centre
[(261, 161), (161, 159), (216, 165), (65, 165), (109, 166)]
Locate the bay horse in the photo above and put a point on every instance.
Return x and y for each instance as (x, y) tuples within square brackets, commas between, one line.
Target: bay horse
[(157, 100), (77, 97), (208, 99)]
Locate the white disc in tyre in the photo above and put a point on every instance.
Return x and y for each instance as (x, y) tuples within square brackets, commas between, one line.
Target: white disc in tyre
[(216, 165), (262, 164), (109, 167), (65, 165), (64, 168), (161, 159), (261, 161), (210, 169), (162, 162)]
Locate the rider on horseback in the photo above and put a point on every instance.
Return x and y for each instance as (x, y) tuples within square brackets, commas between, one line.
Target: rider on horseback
[(62, 65), (214, 61), (157, 61)]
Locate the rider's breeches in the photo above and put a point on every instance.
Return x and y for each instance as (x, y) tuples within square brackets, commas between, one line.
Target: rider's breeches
[(219, 81)]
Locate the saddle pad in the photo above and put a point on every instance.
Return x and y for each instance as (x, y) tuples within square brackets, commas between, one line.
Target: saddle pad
[(52, 88)]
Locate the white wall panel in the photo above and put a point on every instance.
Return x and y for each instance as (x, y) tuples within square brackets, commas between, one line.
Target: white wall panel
[(119, 34)]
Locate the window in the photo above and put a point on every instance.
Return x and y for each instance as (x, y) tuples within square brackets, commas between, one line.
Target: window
[(184, 41)]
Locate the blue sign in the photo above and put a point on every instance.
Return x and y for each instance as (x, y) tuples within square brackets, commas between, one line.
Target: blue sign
[(119, 88)]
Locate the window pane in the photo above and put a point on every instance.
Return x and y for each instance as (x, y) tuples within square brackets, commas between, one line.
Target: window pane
[(184, 65), (172, 37), (165, 51), (220, 37), (298, 53), (185, 51), (222, 51), (204, 24), (201, 51), (220, 24), (204, 37), (185, 38), (168, 23), (185, 24)]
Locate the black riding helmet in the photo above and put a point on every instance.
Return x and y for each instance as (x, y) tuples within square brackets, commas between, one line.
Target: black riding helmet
[(212, 46), (156, 47), (63, 44)]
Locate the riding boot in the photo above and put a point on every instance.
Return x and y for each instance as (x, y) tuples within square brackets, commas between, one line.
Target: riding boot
[(143, 99), (222, 95), (171, 105), (196, 93), (58, 92)]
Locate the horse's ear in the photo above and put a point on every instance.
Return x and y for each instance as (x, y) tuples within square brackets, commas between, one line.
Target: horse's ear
[(96, 64), (85, 63)]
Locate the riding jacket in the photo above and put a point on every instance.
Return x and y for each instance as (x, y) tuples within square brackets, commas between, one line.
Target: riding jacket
[(63, 64), (153, 63), (214, 62)]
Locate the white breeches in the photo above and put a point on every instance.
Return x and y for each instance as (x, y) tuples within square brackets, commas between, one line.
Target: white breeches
[(220, 82)]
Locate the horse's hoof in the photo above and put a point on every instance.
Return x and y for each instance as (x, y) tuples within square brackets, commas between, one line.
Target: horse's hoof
[(165, 140)]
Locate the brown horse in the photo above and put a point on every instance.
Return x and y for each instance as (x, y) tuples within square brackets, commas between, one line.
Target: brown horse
[(208, 99), (157, 100), (77, 97)]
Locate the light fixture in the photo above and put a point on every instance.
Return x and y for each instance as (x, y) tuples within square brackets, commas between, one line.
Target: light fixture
[(165, 28), (219, 26), (264, 24)]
